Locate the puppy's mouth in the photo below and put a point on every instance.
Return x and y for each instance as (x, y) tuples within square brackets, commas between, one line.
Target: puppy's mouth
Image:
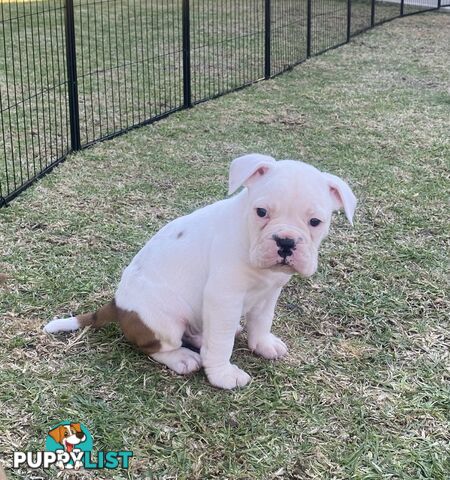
[(283, 266)]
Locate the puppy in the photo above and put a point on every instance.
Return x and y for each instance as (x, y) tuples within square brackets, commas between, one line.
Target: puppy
[(201, 273)]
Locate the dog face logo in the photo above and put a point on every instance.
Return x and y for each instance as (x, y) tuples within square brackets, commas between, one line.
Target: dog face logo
[(68, 435), (69, 440)]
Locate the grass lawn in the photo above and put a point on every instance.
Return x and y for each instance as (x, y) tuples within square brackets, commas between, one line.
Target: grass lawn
[(364, 391)]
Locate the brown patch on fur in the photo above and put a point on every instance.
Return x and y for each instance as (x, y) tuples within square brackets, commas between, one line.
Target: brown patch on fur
[(103, 316), (133, 327), (137, 332)]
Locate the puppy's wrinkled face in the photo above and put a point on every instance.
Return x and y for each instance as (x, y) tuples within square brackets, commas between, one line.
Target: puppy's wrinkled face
[(289, 216), (289, 211)]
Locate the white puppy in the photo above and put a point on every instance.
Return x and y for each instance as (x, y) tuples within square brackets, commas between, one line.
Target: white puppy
[(201, 273)]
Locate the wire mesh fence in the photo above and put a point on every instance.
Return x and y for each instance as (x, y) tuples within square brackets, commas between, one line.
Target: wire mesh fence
[(227, 45), (386, 10), (361, 16), (288, 34), (414, 6), (329, 24), (129, 63), (33, 91), (74, 72)]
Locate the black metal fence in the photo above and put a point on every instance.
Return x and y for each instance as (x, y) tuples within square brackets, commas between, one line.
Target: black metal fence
[(74, 72)]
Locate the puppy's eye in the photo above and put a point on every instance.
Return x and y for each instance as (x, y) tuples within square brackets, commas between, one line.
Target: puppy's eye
[(261, 212), (314, 222), (66, 434)]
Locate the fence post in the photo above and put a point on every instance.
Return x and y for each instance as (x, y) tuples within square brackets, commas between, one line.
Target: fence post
[(372, 14), (308, 27), (402, 5), (349, 19), (267, 38), (74, 113), (187, 91), (439, 4)]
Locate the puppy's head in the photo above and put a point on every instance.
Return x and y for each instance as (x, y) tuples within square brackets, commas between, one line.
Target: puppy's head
[(289, 210), (68, 434)]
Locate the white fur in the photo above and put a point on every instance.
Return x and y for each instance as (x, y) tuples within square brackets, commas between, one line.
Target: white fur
[(62, 325), (182, 360), (200, 273)]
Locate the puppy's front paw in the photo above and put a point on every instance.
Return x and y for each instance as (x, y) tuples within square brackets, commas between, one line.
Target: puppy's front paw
[(227, 377), (269, 346)]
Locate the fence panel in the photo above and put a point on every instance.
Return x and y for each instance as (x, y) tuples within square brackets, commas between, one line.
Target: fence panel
[(361, 17), (328, 24), (413, 6), (386, 10), (288, 33), (129, 65), (34, 130), (227, 46)]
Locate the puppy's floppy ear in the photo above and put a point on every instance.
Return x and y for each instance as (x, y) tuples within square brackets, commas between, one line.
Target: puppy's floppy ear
[(57, 434), (341, 195), (245, 170)]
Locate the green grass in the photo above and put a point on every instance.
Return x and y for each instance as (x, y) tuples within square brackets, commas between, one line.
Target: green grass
[(363, 393)]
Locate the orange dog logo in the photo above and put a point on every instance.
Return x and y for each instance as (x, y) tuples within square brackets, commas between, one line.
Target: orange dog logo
[(68, 436)]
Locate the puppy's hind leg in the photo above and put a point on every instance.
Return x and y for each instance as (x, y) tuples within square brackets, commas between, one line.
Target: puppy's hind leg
[(164, 348), (181, 360)]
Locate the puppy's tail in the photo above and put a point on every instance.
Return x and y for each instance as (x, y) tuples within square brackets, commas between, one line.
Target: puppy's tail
[(103, 316)]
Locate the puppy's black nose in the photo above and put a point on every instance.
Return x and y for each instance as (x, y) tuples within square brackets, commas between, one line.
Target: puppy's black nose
[(79, 435), (285, 246), (285, 243)]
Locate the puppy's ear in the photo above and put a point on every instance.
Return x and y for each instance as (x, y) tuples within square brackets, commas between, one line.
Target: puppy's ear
[(245, 170), (342, 196), (57, 434)]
